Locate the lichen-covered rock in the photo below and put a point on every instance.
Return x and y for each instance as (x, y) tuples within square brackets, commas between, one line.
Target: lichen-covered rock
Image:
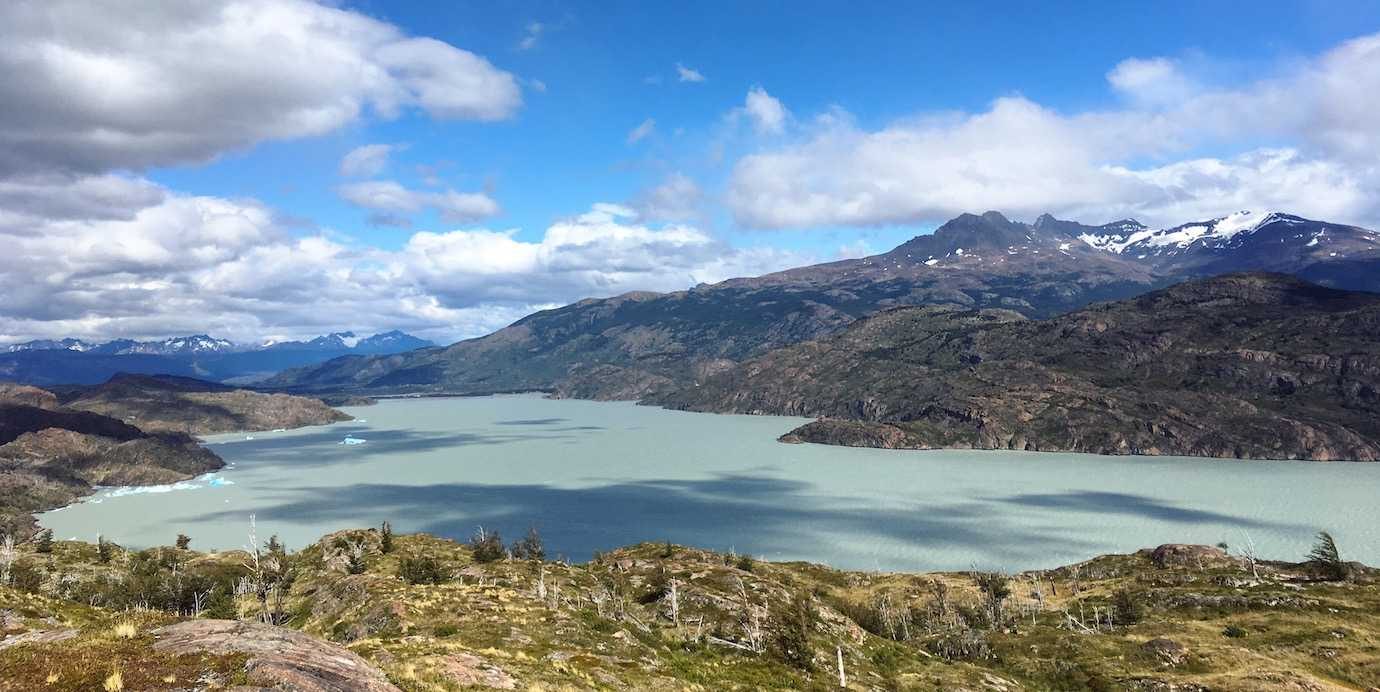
[(278, 658)]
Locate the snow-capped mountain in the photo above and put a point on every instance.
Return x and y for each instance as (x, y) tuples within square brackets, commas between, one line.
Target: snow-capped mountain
[(1244, 240), (49, 345), (337, 341), (199, 344), (387, 342), (391, 342), (202, 345)]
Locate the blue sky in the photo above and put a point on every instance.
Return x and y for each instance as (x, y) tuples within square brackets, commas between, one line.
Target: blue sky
[(771, 134), (566, 147)]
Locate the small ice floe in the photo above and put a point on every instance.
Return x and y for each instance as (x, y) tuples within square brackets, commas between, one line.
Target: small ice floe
[(280, 430), (361, 420), (217, 481), (349, 440), (248, 437)]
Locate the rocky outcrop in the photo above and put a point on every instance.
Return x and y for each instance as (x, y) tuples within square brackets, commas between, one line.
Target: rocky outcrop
[(278, 658), (24, 395), (1242, 366), (52, 457), (1188, 555)]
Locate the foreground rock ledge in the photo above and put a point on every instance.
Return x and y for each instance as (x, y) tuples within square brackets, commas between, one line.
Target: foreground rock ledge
[(278, 658)]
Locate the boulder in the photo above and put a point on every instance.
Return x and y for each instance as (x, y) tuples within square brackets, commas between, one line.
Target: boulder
[(1186, 555), (1168, 651), (278, 658)]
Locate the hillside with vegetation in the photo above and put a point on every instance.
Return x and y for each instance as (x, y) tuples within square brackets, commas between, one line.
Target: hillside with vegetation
[(367, 610), (1259, 366)]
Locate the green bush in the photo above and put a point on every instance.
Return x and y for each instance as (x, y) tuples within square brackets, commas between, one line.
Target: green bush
[(1234, 631), (386, 538), (487, 546), (1326, 560), (422, 570), (529, 547), (1127, 608), (793, 627)]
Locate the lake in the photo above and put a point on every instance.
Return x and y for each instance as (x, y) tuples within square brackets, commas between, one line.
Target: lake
[(593, 476)]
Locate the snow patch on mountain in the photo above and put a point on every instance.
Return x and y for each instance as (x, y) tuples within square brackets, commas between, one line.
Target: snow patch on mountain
[(1214, 231)]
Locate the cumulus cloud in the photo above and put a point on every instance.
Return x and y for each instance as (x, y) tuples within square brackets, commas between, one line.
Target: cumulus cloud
[(1026, 159), (92, 87), (678, 198), (766, 112), (642, 131), (687, 74), (1155, 81), (602, 252), (145, 262), (368, 160), (396, 202)]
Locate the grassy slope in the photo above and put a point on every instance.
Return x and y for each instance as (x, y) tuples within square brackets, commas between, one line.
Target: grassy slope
[(606, 624)]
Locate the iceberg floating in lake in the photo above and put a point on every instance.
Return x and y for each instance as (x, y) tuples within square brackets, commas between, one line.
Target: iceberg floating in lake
[(280, 430), (349, 440), (248, 437)]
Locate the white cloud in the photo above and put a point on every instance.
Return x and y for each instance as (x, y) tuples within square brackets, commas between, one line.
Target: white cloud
[(599, 253), (368, 160), (1154, 81), (91, 87), (1025, 159), (398, 202), (678, 198), (642, 131), (687, 74), (176, 264), (531, 36), (766, 112)]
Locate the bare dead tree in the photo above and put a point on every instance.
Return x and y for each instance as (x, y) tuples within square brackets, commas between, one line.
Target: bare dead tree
[(1249, 552), (8, 555)]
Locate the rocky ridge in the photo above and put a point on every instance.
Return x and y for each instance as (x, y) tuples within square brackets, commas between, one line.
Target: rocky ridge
[(1245, 366)]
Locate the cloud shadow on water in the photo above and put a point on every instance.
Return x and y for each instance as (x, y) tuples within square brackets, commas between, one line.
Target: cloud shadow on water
[(757, 515), (1100, 502), (323, 448)]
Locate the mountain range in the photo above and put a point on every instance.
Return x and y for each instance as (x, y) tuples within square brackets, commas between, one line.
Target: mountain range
[(642, 344), (73, 361), (386, 342)]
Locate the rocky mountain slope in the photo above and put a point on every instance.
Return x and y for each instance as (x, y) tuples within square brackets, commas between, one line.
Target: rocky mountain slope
[(422, 613), (1251, 365), (639, 344), (179, 404)]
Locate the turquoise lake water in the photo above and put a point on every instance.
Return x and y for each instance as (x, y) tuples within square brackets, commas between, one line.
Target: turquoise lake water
[(593, 476)]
